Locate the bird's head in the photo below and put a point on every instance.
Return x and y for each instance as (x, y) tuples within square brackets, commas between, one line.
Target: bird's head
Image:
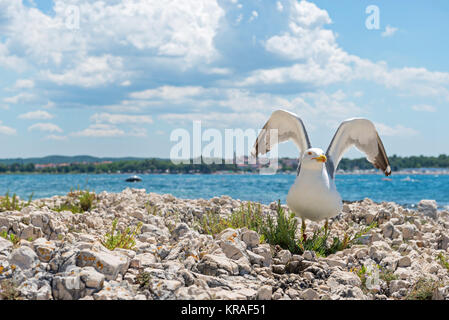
[(313, 158)]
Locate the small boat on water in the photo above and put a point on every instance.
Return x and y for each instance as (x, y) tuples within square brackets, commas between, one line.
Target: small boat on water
[(134, 179)]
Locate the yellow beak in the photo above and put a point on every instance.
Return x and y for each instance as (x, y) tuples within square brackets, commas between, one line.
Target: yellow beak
[(321, 158)]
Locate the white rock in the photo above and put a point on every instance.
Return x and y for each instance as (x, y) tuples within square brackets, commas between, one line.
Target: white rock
[(44, 248), (31, 232), (428, 208), (264, 251), (211, 261), (284, 256), (264, 292), (5, 244), (24, 257), (408, 231), (309, 255), (310, 294), (345, 278), (92, 278), (388, 230), (396, 285), (180, 230), (255, 258), (251, 238), (108, 264), (233, 248), (404, 262), (144, 260), (335, 263)]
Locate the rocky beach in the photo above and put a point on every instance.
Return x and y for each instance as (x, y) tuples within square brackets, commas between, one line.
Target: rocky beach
[(47, 252)]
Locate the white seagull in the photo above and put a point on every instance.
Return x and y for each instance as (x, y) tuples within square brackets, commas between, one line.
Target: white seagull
[(314, 195)]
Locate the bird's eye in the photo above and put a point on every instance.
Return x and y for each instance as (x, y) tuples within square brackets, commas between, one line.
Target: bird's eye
[(309, 153)]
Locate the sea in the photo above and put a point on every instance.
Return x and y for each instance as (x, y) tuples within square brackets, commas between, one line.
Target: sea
[(406, 190)]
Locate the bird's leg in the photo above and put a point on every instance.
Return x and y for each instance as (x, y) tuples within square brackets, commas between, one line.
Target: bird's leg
[(303, 230), (326, 227)]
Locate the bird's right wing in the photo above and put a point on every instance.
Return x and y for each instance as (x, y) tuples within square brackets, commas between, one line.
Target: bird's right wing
[(288, 126), (362, 134)]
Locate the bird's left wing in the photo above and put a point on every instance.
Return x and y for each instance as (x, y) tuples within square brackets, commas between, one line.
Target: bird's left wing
[(362, 134), (288, 126)]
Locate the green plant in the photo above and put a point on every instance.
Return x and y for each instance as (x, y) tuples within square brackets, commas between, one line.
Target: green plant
[(423, 289), (152, 209), (363, 273), (11, 237), (13, 203), (443, 261), (387, 276), (116, 239), (249, 216), (78, 201), (143, 279), (282, 232), (86, 200), (8, 290)]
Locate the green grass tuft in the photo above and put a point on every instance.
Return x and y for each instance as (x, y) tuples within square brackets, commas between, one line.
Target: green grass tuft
[(443, 261), (13, 203), (423, 289), (11, 237), (143, 279), (116, 239), (280, 230), (249, 216), (8, 290), (78, 201)]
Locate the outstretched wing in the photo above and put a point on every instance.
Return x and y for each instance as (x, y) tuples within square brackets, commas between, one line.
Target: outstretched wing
[(288, 126), (362, 134)]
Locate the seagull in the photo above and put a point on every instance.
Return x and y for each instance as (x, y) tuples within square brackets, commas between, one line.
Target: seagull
[(314, 195)]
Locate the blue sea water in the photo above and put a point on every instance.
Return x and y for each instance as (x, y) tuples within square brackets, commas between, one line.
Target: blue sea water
[(402, 189)]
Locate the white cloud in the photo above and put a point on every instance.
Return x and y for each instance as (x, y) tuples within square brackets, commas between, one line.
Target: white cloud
[(389, 31), (138, 132), (231, 107), (219, 71), (20, 98), (398, 130), (254, 15), (307, 14), (36, 115), (11, 61), (91, 72), (168, 93), (49, 105), (7, 130), (177, 34), (279, 6), (56, 137), (45, 127), (424, 108), (24, 84), (100, 131), (318, 61), (121, 118)]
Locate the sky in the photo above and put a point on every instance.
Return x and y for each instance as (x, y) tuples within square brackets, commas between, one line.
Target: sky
[(116, 78)]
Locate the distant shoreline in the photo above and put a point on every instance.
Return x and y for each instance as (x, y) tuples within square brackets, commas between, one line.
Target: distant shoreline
[(401, 173)]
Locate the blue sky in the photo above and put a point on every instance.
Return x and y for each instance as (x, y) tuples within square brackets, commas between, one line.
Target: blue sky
[(119, 82)]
